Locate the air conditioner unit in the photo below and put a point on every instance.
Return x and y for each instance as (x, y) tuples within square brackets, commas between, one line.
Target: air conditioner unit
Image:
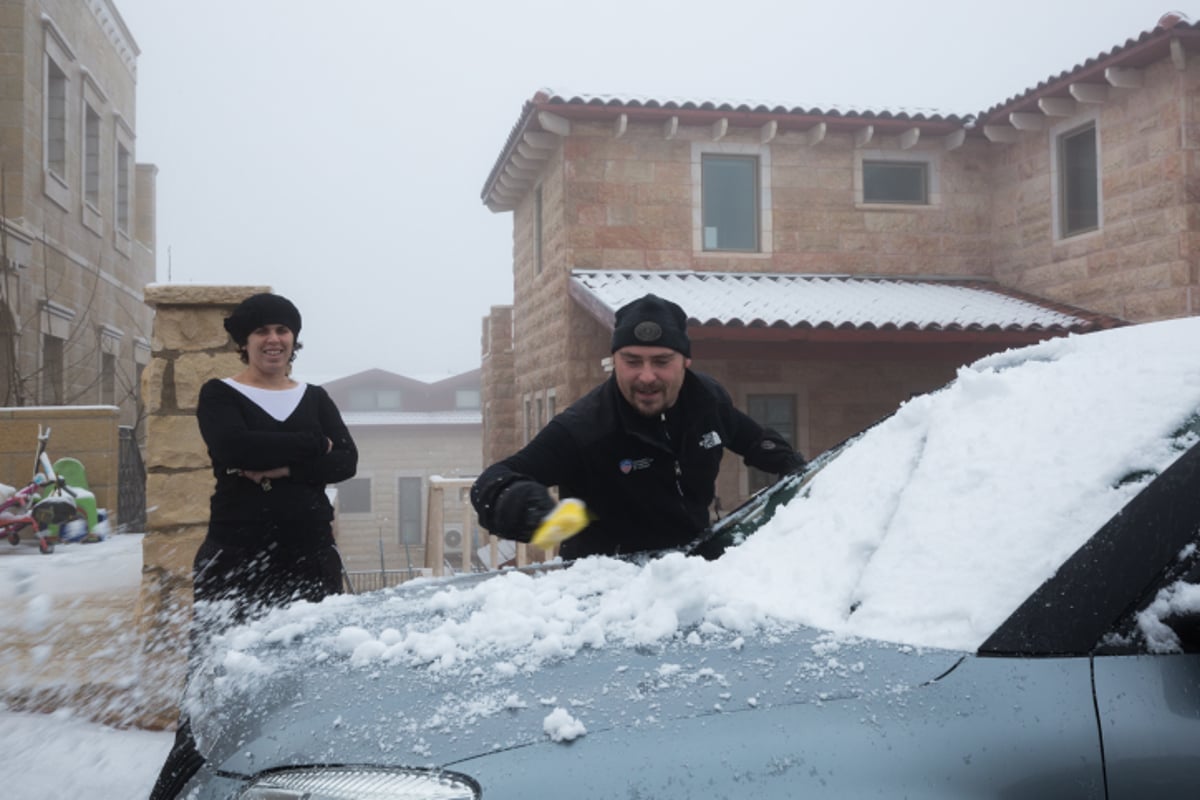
[(452, 539)]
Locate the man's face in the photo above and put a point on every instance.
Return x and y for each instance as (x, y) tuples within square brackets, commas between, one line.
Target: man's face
[(650, 378)]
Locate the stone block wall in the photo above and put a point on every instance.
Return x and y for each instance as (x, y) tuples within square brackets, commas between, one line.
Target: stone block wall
[(188, 347), (632, 202)]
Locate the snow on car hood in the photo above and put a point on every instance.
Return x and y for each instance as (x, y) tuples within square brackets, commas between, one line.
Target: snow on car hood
[(928, 530)]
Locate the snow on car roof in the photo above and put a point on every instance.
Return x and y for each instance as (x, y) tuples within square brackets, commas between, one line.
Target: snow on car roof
[(929, 530)]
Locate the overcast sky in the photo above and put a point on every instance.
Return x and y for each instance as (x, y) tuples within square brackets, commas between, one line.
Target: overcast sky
[(336, 152)]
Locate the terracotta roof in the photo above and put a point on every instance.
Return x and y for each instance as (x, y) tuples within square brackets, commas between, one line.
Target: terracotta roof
[(533, 138), (1147, 48), (834, 302)]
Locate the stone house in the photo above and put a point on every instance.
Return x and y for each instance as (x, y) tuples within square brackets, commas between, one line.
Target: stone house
[(77, 236), (409, 434), (835, 262)]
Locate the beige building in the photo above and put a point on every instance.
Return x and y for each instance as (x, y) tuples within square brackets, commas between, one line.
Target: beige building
[(409, 434), (834, 262), (77, 244)]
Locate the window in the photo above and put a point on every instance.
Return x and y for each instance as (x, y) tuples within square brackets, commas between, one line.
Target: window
[(777, 412), (408, 510), (529, 429), (56, 120), (1078, 181), (730, 212), (537, 229), (551, 403), (91, 156), (466, 398), (895, 182), (52, 370), (108, 379), (375, 399), (124, 164), (387, 399), (354, 496)]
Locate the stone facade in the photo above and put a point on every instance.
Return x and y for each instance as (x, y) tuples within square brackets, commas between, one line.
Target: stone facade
[(1142, 263), (617, 186), (78, 236)]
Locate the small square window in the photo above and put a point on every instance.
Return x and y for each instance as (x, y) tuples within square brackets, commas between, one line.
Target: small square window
[(729, 188), (354, 496), (388, 399), (905, 182), (466, 398)]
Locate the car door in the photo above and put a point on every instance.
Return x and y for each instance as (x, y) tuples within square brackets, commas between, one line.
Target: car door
[(1109, 601), (1149, 711)]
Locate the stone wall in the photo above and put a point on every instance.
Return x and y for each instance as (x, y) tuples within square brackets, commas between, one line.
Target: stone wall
[(1140, 264), (189, 346)]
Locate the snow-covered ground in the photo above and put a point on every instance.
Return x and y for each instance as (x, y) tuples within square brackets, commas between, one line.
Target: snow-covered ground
[(61, 755)]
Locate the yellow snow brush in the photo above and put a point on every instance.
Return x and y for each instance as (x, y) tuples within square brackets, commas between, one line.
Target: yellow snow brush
[(568, 518)]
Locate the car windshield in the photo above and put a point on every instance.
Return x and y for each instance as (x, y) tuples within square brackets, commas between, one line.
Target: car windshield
[(927, 530)]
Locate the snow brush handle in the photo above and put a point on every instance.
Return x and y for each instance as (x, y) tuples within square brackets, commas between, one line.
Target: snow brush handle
[(568, 518)]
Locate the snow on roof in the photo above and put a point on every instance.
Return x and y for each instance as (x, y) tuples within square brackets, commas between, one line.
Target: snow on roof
[(834, 301), (363, 419)]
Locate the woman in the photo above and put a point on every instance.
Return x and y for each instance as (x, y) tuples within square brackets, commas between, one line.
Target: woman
[(274, 444)]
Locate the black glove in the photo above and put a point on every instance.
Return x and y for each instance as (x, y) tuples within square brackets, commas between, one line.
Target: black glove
[(796, 466), (520, 508)]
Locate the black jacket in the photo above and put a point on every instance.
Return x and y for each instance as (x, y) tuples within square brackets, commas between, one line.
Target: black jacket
[(240, 435), (647, 482)]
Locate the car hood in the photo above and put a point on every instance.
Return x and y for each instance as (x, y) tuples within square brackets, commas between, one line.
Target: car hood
[(347, 710)]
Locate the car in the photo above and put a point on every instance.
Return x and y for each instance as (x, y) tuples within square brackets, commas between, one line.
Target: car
[(993, 592)]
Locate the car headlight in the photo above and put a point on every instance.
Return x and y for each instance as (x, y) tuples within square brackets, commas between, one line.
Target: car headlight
[(362, 783)]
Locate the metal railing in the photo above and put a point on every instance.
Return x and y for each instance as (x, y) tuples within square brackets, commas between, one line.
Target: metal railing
[(131, 482), (469, 560), (359, 581)]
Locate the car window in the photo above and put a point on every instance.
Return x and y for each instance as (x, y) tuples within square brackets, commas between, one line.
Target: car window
[(1136, 568), (1169, 622)]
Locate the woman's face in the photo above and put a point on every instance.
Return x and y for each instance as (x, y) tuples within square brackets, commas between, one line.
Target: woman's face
[(269, 347)]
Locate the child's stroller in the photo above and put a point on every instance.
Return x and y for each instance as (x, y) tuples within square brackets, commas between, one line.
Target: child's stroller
[(44, 504)]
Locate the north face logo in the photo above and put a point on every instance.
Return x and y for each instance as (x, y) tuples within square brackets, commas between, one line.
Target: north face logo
[(710, 440)]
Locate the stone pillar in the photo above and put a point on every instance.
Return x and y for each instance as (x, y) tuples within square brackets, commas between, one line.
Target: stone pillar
[(501, 408), (189, 346)]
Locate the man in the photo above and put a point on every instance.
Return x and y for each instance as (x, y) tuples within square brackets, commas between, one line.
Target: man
[(642, 449)]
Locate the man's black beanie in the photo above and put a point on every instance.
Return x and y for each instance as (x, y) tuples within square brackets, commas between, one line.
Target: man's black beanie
[(651, 321), (258, 310)]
